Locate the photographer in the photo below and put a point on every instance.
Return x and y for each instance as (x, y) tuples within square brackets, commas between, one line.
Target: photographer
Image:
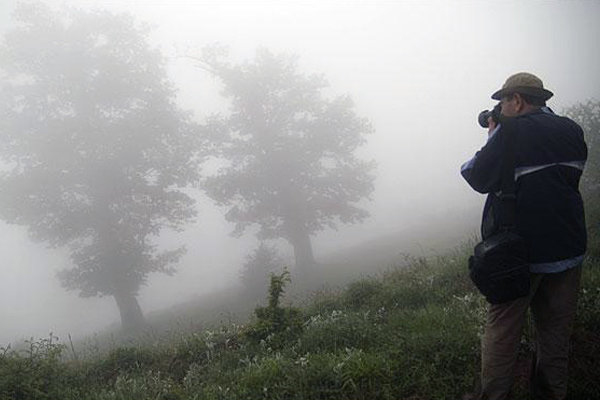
[(550, 154)]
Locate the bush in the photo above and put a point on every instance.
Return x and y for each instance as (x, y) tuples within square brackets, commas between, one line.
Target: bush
[(273, 322), (360, 293), (34, 372), (123, 361), (338, 330)]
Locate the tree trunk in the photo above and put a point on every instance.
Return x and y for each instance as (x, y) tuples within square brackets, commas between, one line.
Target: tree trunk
[(295, 227), (303, 252), (132, 317)]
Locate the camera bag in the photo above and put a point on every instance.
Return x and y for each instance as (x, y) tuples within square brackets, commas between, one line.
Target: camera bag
[(498, 266)]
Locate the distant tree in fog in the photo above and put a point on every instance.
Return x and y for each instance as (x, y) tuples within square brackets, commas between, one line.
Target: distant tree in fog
[(94, 148), (587, 115), (289, 152), (259, 265)]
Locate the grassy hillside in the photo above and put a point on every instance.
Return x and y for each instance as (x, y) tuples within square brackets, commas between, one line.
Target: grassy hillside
[(409, 333), (336, 270)]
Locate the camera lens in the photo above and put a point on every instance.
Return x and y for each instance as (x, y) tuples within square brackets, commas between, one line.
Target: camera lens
[(483, 118)]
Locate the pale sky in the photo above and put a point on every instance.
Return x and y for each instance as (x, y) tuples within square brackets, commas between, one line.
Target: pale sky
[(419, 70)]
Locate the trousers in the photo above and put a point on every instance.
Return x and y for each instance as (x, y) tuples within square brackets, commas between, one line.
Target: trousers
[(553, 302)]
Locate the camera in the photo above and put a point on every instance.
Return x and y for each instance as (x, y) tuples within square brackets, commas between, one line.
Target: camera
[(485, 114)]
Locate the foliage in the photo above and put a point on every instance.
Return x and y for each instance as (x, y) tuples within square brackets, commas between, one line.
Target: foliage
[(94, 147), (274, 323), (123, 361), (33, 373), (287, 152), (589, 301), (147, 385), (360, 343), (359, 293), (587, 115)]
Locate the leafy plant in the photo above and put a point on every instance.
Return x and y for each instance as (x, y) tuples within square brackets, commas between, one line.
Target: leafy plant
[(33, 373), (275, 320)]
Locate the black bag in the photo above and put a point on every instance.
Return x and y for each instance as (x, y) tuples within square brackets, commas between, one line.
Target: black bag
[(498, 266)]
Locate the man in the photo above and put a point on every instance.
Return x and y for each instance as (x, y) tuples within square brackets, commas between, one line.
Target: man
[(550, 156)]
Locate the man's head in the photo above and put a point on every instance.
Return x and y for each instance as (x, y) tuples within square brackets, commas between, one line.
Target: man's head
[(522, 93)]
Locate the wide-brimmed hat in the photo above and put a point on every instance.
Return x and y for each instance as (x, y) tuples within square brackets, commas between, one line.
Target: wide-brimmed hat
[(524, 83)]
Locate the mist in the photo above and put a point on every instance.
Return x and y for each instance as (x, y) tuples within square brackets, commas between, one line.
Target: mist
[(420, 72)]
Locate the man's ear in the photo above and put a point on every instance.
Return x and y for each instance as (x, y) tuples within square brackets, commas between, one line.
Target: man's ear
[(519, 103)]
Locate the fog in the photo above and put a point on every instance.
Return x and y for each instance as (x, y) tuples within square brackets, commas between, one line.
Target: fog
[(420, 71)]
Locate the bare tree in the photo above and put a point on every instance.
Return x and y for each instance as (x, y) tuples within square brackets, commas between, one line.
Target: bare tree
[(94, 148)]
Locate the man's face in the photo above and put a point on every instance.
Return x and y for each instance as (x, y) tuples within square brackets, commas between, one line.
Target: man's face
[(509, 105)]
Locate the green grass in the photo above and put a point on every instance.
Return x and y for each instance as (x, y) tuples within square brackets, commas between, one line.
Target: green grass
[(407, 333)]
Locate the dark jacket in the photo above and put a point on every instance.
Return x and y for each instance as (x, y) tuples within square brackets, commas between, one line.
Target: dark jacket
[(550, 157)]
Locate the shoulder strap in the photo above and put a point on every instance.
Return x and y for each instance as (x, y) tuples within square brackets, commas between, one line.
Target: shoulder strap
[(509, 154)]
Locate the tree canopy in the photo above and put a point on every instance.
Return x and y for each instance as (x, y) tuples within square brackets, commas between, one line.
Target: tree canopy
[(94, 148), (288, 152)]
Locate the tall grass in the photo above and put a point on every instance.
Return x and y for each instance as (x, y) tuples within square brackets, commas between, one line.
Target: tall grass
[(409, 333)]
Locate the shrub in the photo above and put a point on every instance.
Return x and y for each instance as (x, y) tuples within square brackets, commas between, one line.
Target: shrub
[(360, 293), (121, 361), (273, 322), (338, 330), (34, 372)]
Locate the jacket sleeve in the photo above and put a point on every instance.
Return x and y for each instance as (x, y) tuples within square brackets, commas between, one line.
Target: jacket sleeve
[(483, 172)]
